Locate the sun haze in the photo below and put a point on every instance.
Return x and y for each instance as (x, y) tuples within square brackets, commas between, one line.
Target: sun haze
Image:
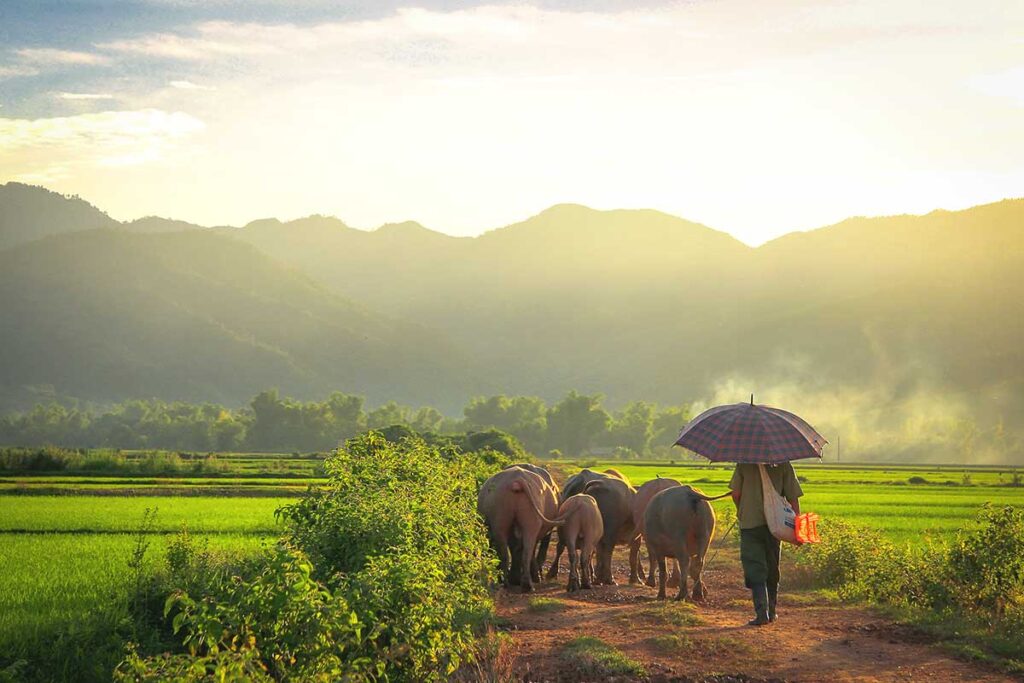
[(755, 118)]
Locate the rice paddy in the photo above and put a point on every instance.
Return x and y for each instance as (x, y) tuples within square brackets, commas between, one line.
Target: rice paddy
[(66, 541)]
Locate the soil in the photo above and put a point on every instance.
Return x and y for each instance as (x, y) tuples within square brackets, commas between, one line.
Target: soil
[(814, 639)]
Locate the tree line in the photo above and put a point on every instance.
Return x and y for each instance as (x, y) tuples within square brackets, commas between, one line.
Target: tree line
[(578, 424)]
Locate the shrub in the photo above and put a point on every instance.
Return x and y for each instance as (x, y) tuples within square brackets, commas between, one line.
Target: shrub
[(396, 530), (987, 563), (280, 624), (382, 575)]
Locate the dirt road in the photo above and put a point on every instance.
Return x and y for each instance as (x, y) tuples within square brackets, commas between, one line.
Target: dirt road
[(813, 640)]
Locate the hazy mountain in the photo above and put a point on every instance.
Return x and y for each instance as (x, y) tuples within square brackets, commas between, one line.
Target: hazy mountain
[(28, 213), (898, 320), (154, 224), (108, 314)]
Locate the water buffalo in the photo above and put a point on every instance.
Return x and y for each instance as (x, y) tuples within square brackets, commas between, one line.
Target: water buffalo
[(580, 526), (680, 523), (537, 565), (517, 502), (615, 500), (573, 486), (643, 497)]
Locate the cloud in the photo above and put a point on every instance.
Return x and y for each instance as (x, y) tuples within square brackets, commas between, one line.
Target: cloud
[(48, 56), (84, 96), (36, 150), (189, 85), (16, 71), (1008, 84)]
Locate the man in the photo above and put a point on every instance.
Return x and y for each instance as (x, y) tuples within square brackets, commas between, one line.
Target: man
[(759, 550)]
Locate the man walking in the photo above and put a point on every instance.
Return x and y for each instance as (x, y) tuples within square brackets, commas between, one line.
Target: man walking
[(759, 549)]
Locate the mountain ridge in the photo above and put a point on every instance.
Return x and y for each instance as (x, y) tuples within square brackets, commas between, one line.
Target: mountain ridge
[(868, 316)]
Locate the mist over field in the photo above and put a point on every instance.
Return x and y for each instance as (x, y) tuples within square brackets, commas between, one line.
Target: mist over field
[(898, 337)]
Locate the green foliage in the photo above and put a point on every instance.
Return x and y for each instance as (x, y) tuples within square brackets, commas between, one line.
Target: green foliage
[(577, 422), (978, 579), (271, 423), (591, 659), (279, 624), (396, 529), (545, 605), (383, 574), (988, 562)]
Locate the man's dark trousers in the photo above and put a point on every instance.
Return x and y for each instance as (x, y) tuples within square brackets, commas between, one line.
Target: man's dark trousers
[(759, 554)]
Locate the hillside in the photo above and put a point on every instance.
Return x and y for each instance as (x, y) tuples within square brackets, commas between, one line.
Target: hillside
[(190, 315), (28, 213), (901, 324)]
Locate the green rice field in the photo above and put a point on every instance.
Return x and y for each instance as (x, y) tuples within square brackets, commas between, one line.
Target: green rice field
[(66, 541)]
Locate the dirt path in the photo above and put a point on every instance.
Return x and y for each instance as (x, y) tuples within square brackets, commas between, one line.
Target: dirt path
[(680, 642)]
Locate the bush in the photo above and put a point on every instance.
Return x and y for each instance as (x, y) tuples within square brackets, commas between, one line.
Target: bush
[(382, 575), (396, 530), (976, 582), (987, 563)]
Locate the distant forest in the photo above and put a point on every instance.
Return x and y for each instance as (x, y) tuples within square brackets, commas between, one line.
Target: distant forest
[(576, 425)]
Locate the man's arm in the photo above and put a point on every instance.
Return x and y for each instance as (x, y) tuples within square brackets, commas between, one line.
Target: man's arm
[(735, 484)]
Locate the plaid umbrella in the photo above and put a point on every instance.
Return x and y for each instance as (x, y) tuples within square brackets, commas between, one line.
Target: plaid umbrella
[(743, 432)]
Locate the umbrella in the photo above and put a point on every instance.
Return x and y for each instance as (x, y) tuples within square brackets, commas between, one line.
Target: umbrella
[(744, 432)]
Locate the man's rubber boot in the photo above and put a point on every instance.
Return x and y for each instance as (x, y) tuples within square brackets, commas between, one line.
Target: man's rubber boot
[(773, 601), (760, 594)]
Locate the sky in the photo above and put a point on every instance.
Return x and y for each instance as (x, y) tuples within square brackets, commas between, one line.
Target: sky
[(756, 118)]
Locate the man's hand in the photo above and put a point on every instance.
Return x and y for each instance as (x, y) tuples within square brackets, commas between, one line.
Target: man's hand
[(736, 499)]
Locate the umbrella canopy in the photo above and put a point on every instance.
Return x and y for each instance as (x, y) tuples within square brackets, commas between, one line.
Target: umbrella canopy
[(744, 432)]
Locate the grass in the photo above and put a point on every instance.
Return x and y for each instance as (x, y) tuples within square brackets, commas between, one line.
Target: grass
[(874, 496), (72, 589), (674, 613), (591, 658), (90, 514), (545, 605), (65, 580), (679, 644), (65, 540)]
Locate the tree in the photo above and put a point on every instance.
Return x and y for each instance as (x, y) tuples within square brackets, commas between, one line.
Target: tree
[(577, 422), (386, 415), (633, 427), (427, 419)]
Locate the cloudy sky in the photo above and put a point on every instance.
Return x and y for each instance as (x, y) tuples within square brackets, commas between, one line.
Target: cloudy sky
[(751, 116)]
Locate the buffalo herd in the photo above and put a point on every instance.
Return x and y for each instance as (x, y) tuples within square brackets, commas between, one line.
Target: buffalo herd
[(522, 506)]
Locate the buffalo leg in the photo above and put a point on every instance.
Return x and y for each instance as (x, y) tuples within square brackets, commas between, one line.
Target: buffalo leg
[(604, 563), (515, 546), (574, 566), (528, 551), (635, 570), (587, 566), (652, 563), (542, 552), (661, 575), (700, 591), (683, 558), (673, 581), (559, 547), (501, 547)]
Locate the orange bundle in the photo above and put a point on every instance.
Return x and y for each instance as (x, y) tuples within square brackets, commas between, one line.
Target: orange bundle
[(807, 528)]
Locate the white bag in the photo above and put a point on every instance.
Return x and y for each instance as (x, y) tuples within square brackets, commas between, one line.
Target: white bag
[(777, 510)]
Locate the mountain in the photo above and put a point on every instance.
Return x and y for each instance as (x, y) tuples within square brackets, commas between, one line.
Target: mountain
[(29, 213), (191, 315), (893, 323)]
